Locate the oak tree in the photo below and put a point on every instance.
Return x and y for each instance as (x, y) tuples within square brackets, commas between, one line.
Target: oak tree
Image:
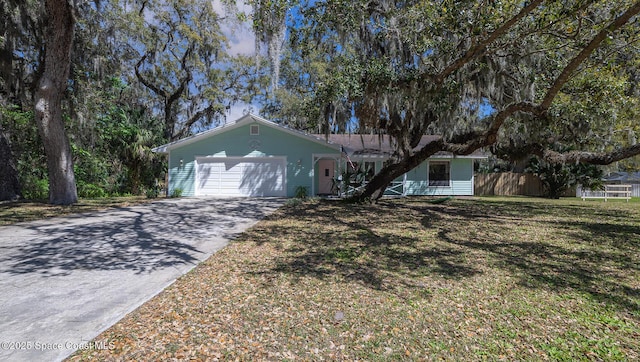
[(480, 74), (51, 86)]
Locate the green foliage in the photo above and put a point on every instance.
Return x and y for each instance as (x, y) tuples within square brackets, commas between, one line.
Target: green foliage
[(177, 53), (152, 193), (177, 192), (598, 109), (28, 150), (91, 191), (301, 192), (92, 173), (112, 153), (558, 178), (478, 73), (34, 188)]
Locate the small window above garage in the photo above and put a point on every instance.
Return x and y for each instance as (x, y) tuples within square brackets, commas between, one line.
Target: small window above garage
[(254, 130)]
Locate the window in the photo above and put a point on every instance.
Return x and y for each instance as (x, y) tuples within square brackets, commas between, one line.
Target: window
[(362, 171), (254, 130), (369, 170), (439, 174)]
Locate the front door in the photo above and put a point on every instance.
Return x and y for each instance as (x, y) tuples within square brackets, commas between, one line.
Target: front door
[(326, 169)]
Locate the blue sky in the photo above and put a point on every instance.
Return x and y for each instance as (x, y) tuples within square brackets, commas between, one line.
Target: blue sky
[(242, 41)]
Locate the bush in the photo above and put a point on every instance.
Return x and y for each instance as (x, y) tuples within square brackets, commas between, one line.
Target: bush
[(301, 192), (177, 192), (559, 177), (35, 189), (152, 193), (91, 191)]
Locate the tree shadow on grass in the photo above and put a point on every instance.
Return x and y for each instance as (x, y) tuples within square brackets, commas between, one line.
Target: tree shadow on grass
[(337, 240), (457, 242), (583, 255), (140, 239)]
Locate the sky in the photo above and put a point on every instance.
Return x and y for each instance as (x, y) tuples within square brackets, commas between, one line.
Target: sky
[(240, 35), (242, 41)]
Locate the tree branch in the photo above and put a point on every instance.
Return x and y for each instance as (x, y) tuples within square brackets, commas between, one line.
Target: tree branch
[(595, 158), (208, 111), (480, 47), (476, 141), (157, 90), (585, 53)]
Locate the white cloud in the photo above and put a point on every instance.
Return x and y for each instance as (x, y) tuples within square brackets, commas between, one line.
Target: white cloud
[(242, 42), (238, 110), (240, 34)]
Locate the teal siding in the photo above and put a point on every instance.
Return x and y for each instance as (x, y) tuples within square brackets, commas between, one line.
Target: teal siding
[(238, 142), (461, 179)]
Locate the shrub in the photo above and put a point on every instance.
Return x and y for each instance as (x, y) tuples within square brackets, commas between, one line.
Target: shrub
[(152, 193), (91, 191), (35, 189), (559, 177), (301, 192), (177, 192)]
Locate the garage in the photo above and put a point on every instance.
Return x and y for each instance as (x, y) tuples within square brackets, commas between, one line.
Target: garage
[(240, 176)]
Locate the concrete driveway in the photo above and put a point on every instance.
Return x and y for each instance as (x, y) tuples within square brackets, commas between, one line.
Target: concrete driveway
[(65, 280)]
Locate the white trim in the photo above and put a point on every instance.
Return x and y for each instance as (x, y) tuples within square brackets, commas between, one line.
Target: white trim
[(168, 176), (246, 119), (451, 156), (370, 158), (212, 159), (448, 162), (473, 179)]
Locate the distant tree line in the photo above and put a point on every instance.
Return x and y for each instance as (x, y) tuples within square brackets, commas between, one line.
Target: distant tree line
[(88, 87)]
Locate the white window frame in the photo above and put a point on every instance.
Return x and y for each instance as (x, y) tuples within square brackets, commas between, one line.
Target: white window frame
[(448, 163)]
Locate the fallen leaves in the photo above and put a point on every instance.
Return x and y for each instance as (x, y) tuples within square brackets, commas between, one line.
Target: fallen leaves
[(348, 282)]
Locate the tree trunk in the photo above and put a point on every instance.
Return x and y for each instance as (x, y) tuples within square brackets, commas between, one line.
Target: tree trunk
[(9, 184), (48, 101), (379, 183)]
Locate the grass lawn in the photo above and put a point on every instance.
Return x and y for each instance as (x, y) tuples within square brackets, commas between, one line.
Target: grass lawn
[(473, 279), (19, 211)]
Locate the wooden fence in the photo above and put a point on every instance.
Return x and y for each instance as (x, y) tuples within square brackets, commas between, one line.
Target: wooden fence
[(508, 184)]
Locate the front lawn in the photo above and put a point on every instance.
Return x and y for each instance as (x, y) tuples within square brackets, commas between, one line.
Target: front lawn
[(473, 279)]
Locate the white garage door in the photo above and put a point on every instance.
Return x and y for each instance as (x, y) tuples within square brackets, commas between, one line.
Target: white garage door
[(240, 176)]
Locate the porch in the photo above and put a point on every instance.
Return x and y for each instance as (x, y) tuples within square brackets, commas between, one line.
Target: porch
[(396, 188)]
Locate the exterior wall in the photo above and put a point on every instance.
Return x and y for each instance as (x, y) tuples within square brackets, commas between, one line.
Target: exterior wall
[(417, 183), (238, 142), (461, 173)]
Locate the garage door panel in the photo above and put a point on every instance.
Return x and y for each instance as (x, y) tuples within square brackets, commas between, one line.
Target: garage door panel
[(265, 178), (241, 177), (208, 174)]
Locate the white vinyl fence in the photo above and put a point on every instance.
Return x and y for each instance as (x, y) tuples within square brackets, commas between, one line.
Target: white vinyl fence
[(635, 192)]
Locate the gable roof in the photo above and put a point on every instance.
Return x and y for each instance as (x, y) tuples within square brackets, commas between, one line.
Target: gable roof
[(352, 144), (244, 120), (381, 145), (631, 177), (370, 144)]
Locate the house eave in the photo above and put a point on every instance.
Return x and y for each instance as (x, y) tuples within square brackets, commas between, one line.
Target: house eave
[(386, 155), (246, 119)]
